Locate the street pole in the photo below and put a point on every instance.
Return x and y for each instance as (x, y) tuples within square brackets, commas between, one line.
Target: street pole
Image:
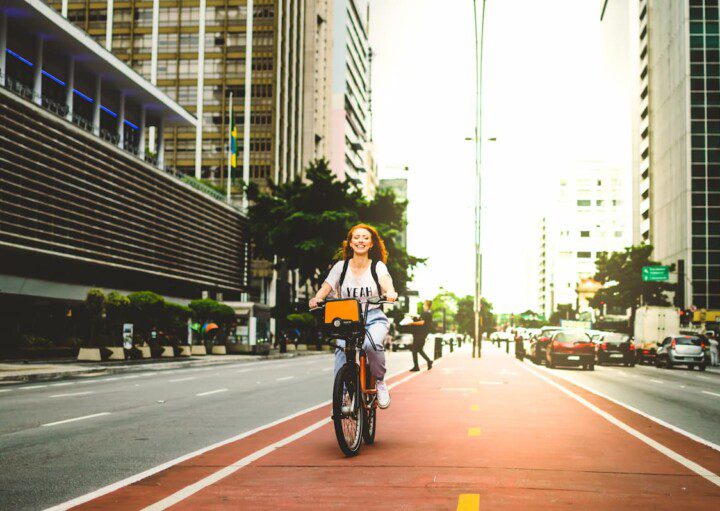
[(230, 151), (477, 345), (248, 94)]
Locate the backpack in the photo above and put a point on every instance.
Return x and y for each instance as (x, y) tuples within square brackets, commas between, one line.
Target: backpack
[(373, 271)]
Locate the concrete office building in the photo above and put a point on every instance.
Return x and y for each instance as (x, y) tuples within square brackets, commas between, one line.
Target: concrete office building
[(194, 50), (399, 186), (350, 111), (677, 142), (86, 203), (589, 216)]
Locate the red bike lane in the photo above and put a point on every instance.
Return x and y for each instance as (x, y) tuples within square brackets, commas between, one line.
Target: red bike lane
[(470, 434)]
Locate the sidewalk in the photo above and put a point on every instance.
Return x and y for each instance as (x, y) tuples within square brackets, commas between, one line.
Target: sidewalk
[(470, 434), (39, 371)]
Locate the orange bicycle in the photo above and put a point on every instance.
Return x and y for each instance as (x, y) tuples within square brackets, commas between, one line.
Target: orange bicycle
[(354, 394)]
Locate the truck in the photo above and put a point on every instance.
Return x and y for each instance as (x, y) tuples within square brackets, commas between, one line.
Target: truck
[(652, 325)]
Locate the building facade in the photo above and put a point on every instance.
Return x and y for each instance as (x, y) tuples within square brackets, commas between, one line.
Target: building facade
[(589, 216), (194, 50), (679, 149), (399, 186), (350, 110), (86, 202)]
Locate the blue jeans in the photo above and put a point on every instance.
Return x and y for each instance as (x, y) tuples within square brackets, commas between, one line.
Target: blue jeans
[(377, 328)]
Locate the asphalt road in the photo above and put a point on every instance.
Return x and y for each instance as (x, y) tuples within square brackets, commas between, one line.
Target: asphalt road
[(61, 440), (686, 399)]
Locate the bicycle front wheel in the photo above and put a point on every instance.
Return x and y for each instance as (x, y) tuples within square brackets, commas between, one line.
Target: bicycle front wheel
[(347, 409), (369, 425)]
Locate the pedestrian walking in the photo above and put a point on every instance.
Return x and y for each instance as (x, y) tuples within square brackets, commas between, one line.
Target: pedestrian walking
[(423, 326)]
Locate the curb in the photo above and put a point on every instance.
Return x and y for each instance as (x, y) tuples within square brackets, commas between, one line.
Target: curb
[(146, 366)]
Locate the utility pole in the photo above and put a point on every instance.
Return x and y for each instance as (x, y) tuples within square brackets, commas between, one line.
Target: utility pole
[(477, 345)]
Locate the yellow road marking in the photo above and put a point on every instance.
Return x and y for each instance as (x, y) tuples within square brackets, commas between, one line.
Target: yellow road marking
[(473, 431), (474, 408), (468, 502)]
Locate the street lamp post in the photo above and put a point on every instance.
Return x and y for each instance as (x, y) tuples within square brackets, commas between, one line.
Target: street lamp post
[(477, 345)]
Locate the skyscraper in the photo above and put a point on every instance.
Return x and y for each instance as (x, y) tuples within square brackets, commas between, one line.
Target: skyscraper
[(195, 52), (351, 91), (679, 147)]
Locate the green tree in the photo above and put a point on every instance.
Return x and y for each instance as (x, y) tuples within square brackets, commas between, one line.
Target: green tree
[(564, 311), (465, 315), (145, 310), (303, 221), (117, 306), (173, 320), (95, 306), (621, 275)]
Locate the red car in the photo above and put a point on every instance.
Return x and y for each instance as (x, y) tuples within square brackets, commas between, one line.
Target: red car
[(571, 348)]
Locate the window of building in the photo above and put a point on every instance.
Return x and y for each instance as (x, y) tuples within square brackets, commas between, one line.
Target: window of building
[(618, 234), (599, 202), (584, 255), (584, 202), (584, 234)]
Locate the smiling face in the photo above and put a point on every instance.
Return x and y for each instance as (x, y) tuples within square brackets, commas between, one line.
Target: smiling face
[(361, 241)]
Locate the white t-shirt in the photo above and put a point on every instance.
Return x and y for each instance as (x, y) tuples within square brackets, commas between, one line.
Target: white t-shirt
[(361, 287)]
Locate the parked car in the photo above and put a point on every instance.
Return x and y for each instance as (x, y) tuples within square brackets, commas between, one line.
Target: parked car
[(614, 348), (571, 348), (402, 342), (688, 350), (538, 344)]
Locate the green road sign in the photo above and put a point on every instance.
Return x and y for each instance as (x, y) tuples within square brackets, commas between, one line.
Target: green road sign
[(656, 273)]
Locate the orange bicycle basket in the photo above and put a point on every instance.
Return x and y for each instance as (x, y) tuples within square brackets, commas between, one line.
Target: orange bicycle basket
[(346, 310)]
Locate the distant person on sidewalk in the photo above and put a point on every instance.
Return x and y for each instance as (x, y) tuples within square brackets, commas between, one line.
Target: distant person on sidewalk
[(423, 326)]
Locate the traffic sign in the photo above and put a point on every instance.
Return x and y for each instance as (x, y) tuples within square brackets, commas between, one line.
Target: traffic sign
[(655, 273)]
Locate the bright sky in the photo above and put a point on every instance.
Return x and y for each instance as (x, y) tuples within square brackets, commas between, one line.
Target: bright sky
[(545, 101)]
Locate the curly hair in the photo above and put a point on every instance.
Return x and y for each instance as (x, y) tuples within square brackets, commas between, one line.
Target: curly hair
[(378, 252)]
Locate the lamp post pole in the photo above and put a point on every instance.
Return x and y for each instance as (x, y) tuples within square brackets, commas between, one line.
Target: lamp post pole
[(477, 345)]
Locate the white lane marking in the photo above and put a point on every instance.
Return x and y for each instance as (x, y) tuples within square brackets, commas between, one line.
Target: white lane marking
[(490, 383), (152, 471), (76, 419), (74, 394), (676, 429), (129, 377), (284, 378), (33, 387), (703, 377), (327, 369), (211, 392), (711, 393), (656, 381), (691, 465), (62, 384), (188, 491), (182, 379), (243, 371), (5, 390)]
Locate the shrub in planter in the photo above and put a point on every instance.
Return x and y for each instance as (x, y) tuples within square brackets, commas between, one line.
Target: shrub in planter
[(145, 310)]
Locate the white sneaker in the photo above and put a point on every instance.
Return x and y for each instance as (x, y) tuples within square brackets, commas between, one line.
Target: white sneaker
[(383, 394)]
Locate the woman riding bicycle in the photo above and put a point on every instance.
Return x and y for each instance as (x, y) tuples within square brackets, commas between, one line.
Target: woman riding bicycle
[(361, 273)]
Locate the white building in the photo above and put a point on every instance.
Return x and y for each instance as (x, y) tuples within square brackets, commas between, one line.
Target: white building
[(587, 215)]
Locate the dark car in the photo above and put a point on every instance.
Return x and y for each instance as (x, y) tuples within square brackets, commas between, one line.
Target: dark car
[(614, 348), (687, 350), (571, 348), (539, 342)]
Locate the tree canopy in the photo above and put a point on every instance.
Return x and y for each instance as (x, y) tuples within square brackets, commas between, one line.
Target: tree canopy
[(303, 222), (621, 274)]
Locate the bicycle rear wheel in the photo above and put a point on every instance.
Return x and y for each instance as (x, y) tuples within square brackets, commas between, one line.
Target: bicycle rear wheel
[(347, 409), (369, 425)]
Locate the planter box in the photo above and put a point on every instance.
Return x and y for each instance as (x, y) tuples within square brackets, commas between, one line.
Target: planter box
[(219, 350), (184, 351), (116, 353), (302, 347), (198, 349), (325, 347), (290, 347), (144, 351), (261, 349), (167, 352), (89, 355)]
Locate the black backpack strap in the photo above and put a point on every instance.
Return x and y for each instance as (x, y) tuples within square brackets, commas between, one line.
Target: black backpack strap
[(342, 276), (373, 270)]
